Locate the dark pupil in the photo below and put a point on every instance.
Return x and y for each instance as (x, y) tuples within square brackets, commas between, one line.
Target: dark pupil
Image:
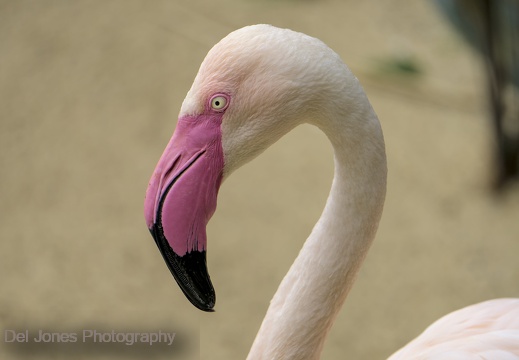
[(217, 103)]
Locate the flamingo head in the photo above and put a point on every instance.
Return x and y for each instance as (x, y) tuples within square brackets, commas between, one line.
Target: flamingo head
[(254, 86)]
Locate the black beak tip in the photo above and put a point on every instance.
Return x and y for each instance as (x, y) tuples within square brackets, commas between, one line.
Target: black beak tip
[(189, 271), (204, 306)]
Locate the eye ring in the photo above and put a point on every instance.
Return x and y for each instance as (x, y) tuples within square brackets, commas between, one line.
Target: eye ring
[(219, 102)]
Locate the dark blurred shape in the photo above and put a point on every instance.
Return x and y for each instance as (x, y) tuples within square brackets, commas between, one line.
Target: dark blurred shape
[(492, 28)]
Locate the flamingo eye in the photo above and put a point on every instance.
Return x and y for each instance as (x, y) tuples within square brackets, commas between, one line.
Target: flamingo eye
[(219, 103)]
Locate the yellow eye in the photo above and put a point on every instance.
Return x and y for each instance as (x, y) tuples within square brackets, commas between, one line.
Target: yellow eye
[(219, 103)]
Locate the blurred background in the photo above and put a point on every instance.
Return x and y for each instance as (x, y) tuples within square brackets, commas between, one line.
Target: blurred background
[(89, 94)]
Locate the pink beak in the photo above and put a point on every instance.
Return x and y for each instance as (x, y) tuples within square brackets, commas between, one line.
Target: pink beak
[(180, 200)]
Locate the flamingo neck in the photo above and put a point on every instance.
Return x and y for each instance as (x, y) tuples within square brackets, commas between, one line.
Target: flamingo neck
[(308, 299)]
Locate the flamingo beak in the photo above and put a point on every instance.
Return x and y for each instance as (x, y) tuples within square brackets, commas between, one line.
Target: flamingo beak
[(180, 200)]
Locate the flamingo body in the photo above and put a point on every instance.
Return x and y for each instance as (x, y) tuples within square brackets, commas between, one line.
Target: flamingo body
[(488, 330), (253, 87)]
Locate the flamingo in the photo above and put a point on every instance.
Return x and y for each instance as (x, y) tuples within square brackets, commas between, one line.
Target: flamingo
[(253, 87)]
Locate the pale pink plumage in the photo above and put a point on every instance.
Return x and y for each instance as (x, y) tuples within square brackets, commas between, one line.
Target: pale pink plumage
[(488, 330), (276, 79)]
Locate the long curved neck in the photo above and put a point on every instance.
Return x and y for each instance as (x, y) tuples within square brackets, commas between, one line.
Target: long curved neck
[(313, 291)]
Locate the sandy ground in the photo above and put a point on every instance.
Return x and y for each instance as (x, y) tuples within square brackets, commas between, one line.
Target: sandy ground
[(89, 93)]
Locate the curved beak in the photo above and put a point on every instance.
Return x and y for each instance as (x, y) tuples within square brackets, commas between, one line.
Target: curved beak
[(180, 200)]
